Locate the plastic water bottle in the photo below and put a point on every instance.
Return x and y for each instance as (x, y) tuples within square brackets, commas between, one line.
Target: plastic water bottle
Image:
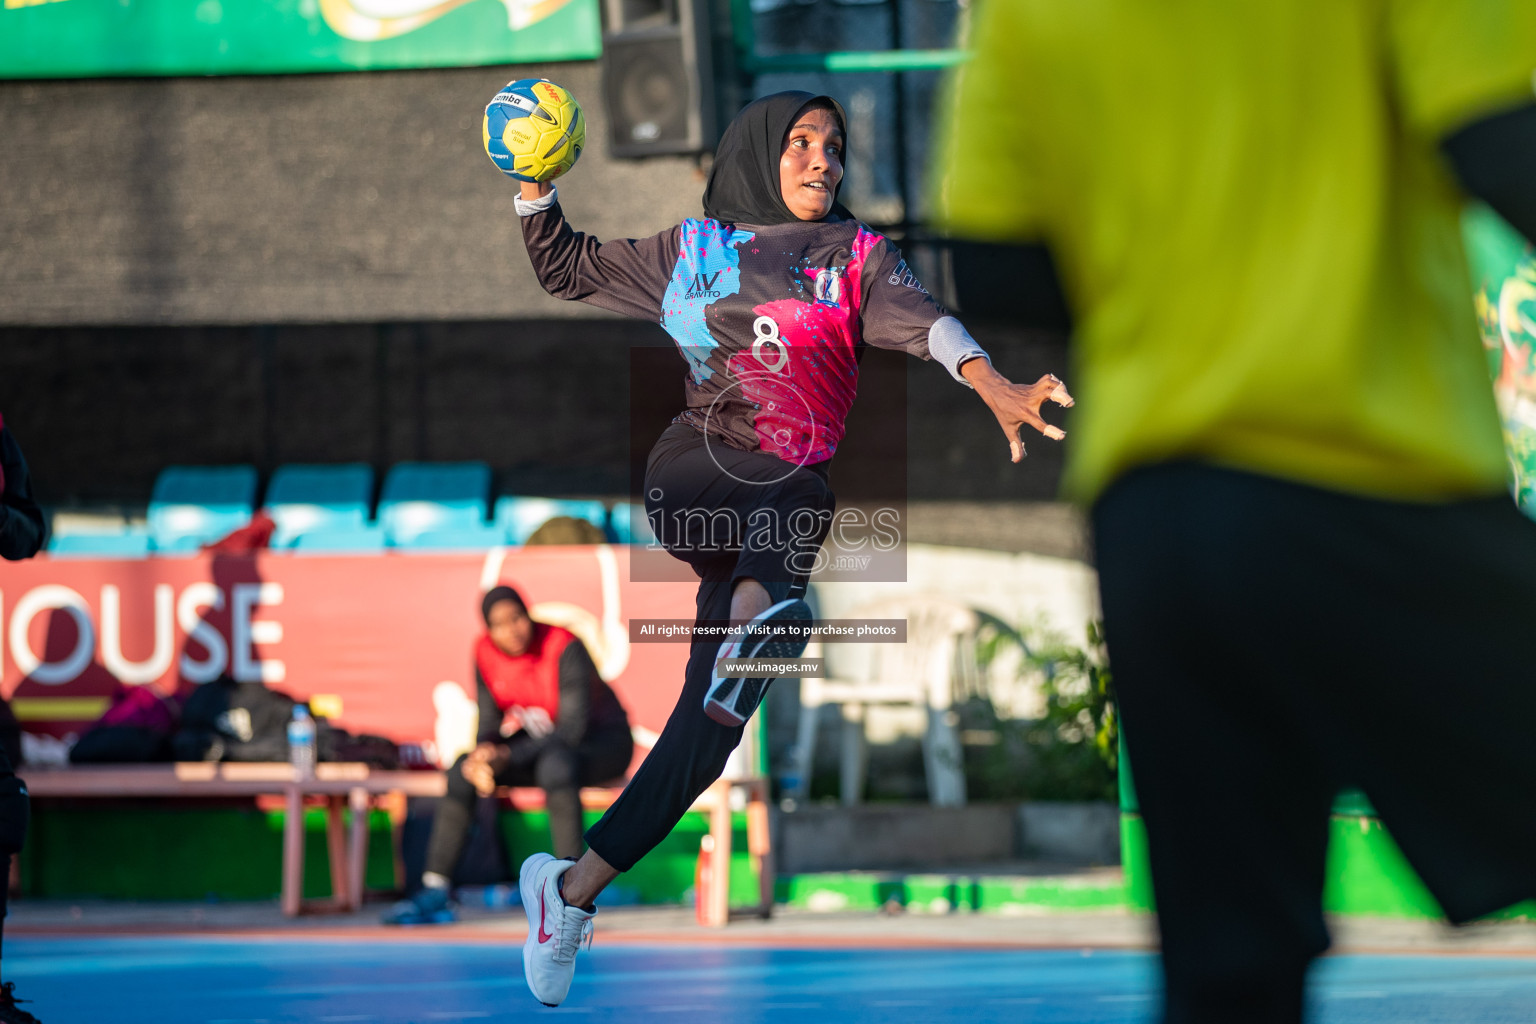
[(301, 743)]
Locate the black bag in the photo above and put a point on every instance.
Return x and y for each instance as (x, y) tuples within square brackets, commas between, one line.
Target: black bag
[(197, 745), (119, 744), (136, 727), (229, 721), (340, 745)]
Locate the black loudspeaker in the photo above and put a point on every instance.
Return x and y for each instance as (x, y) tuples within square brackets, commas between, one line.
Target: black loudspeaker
[(658, 77)]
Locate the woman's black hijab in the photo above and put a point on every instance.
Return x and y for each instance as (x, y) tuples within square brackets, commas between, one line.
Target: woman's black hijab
[(495, 596), (743, 185)]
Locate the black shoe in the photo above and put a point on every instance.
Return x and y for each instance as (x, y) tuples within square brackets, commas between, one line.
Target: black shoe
[(732, 699), (10, 1013), (429, 906)]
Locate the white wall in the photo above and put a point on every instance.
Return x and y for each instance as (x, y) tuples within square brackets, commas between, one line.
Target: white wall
[(1021, 589)]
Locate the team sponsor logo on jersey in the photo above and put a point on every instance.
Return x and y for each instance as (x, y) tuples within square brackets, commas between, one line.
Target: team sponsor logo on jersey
[(829, 285), (703, 286), (904, 277)]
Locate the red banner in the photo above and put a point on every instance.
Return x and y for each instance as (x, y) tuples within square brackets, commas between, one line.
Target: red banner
[(378, 632)]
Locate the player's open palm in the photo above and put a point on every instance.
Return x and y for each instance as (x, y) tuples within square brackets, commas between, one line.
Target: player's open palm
[(1016, 405)]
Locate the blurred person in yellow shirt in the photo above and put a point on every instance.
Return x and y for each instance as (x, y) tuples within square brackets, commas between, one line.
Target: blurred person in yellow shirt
[(1311, 574)]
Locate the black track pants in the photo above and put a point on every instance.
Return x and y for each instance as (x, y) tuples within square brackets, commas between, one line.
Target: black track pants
[(549, 763), (1273, 643), (731, 515), (15, 813)]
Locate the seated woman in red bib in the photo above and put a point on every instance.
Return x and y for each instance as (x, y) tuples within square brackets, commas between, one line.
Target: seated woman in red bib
[(547, 719)]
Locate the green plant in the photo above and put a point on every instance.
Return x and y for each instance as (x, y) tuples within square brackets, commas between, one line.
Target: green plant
[(1066, 747), (1077, 743)]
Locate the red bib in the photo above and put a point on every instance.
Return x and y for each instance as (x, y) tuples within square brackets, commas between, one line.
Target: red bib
[(531, 679)]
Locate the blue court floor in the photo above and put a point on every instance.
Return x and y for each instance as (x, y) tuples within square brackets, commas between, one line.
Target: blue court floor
[(198, 980)]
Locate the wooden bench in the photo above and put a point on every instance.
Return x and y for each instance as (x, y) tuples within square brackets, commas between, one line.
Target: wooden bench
[(358, 788)]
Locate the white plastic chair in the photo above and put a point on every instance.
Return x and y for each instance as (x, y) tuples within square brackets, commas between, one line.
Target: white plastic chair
[(937, 663)]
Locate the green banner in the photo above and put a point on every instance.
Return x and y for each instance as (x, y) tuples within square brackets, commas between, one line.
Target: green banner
[(1504, 272), (97, 38)]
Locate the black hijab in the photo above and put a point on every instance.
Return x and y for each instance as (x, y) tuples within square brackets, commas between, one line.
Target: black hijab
[(495, 596), (743, 186)]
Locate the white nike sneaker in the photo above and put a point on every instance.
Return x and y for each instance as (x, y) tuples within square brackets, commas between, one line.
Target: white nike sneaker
[(732, 699), (555, 929)]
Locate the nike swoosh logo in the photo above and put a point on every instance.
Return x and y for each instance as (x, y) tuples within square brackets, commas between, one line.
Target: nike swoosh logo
[(544, 936)]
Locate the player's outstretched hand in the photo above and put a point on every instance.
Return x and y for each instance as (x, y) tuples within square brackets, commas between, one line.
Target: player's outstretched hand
[(1015, 405)]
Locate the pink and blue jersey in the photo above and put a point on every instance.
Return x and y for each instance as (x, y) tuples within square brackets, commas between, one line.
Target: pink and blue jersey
[(770, 319)]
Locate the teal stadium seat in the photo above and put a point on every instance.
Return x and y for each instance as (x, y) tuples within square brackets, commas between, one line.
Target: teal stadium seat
[(479, 537), (628, 524), (419, 497), (305, 498), (193, 505), (349, 540), (519, 517), (127, 544)]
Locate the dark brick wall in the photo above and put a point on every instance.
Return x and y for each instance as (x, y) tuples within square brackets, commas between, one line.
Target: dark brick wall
[(288, 199), (100, 411)]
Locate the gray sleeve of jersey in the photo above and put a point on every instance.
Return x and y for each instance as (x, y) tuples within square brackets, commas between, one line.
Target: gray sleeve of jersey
[(951, 344)]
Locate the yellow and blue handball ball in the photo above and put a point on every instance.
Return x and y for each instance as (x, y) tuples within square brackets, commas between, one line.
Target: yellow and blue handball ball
[(534, 130)]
